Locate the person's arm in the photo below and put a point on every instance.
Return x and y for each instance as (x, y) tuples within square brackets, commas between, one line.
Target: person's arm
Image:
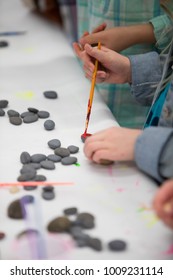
[(161, 27), (154, 152), (122, 37), (146, 72)]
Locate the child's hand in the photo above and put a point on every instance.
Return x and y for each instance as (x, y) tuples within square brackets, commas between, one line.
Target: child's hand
[(114, 144), (116, 67), (79, 48), (163, 203)]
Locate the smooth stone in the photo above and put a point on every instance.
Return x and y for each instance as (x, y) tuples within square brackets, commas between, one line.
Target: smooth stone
[(27, 199), (2, 235), (54, 158), (30, 188), (49, 125), (117, 245), (3, 103), (2, 112), (76, 232), (25, 157), (3, 44), (30, 119), (15, 120), (15, 210), (13, 113), (68, 160), (73, 149), (54, 143), (37, 158), (28, 232), (43, 114), (51, 94), (47, 164), (26, 114), (27, 176), (81, 243), (40, 178), (70, 211), (33, 110), (48, 193), (34, 165), (95, 243), (59, 224), (85, 220), (62, 152), (48, 189), (28, 169)]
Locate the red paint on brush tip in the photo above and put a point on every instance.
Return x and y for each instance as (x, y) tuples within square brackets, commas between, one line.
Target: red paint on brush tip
[(84, 136)]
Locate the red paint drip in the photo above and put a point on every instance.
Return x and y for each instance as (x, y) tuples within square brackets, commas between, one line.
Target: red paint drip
[(85, 135)]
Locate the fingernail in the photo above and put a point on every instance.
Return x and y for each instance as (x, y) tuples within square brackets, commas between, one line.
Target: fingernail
[(168, 208)]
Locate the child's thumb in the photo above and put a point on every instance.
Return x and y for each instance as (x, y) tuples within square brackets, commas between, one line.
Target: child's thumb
[(94, 52)]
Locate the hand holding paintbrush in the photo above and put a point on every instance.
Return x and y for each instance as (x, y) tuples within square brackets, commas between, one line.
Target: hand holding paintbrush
[(90, 101)]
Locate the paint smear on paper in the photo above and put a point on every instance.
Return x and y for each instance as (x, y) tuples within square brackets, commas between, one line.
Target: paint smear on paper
[(25, 95), (151, 220), (169, 251)]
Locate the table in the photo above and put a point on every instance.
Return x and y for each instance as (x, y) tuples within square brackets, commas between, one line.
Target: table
[(119, 196)]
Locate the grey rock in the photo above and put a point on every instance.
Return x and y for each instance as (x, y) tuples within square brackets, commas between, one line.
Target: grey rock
[(95, 244), (33, 110), (70, 211), (48, 193), (27, 176), (15, 120), (54, 143), (68, 160), (73, 149), (13, 113), (62, 152), (37, 158), (49, 125), (27, 114), (28, 169), (54, 158), (117, 245), (3, 103), (50, 94), (30, 119), (85, 220), (47, 164), (34, 165), (40, 178), (43, 114), (3, 44), (25, 157), (2, 112)]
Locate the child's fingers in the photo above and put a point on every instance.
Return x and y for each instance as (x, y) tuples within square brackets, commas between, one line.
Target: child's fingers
[(99, 28), (77, 49), (163, 201)]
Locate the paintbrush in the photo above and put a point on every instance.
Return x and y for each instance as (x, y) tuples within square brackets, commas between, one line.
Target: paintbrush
[(90, 101)]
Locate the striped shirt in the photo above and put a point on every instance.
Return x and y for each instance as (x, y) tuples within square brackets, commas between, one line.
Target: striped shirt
[(119, 13)]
